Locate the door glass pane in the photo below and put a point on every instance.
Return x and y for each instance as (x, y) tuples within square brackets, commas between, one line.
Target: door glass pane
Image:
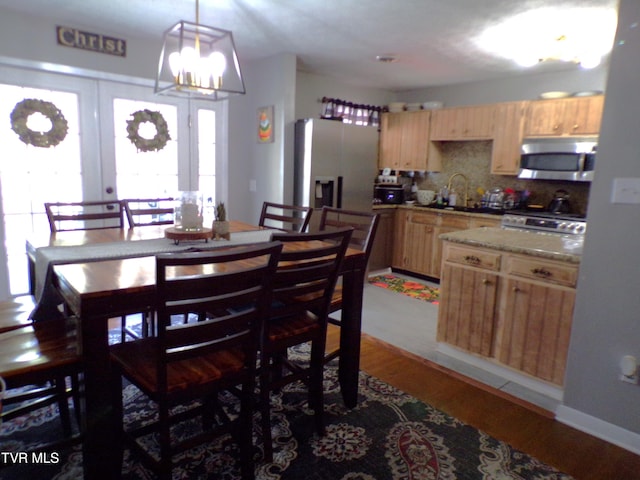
[(207, 159), (145, 174), (31, 176)]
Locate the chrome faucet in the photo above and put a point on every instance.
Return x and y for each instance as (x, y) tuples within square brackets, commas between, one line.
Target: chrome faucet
[(466, 186)]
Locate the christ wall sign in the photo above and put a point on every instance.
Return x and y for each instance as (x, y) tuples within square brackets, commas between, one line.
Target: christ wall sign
[(72, 37)]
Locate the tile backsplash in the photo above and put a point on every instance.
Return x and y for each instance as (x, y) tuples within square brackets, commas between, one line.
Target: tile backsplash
[(473, 159)]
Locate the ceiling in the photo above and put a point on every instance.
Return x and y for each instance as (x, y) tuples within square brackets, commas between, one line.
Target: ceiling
[(432, 40)]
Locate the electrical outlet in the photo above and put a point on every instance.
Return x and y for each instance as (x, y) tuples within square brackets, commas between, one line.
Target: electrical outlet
[(633, 379), (629, 369)]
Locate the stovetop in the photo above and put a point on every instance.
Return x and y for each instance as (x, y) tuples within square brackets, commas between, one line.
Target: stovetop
[(565, 224)]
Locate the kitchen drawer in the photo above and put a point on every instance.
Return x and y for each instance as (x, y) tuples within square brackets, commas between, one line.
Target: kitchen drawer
[(472, 257), (460, 222), (424, 218), (485, 222), (538, 269)]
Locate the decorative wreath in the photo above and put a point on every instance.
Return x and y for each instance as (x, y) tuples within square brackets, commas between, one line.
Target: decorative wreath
[(144, 144), (29, 106)]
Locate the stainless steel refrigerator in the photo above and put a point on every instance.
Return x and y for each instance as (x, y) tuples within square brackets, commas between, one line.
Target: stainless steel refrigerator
[(335, 164)]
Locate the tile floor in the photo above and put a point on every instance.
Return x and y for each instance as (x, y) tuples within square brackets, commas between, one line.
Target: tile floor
[(410, 324)]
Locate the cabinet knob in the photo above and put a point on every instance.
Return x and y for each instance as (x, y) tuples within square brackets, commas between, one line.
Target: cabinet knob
[(516, 289), (575, 127), (486, 281)]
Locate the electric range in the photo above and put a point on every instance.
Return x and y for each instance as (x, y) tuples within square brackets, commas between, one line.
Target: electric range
[(555, 223)]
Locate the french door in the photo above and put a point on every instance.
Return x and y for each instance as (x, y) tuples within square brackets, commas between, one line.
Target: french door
[(97, 160)]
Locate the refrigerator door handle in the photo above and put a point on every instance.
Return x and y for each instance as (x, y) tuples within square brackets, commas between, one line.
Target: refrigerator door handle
[(339, 196)]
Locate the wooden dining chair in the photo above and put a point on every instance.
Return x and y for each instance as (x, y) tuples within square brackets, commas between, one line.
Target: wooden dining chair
[(197, 360), (16, 312), (365, 225), (302, 290), (90, 215), (35, 362), (290, 218), (149, 211)]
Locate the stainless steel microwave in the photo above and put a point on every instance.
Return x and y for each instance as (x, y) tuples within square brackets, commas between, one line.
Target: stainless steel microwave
[(558, 159)]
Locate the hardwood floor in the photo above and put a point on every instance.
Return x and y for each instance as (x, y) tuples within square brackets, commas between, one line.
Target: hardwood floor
[(522, 425)]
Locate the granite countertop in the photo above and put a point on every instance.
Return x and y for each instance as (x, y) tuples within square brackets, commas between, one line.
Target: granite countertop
[(545, 245), (448, 211)]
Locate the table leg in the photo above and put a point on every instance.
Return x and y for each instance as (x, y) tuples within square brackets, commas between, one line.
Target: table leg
[(350, 331), (101, 457)]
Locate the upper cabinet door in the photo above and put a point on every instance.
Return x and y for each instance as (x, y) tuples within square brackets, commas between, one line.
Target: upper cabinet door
[(564, 117), (463, 123), (404, 140), (507, 138), (586, 113)]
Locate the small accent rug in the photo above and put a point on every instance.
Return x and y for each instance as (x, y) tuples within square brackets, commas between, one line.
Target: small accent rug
[(388, 436), (411, 288)]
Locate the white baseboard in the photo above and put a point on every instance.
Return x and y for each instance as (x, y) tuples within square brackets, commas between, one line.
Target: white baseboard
[(599, 428), (509, 375)]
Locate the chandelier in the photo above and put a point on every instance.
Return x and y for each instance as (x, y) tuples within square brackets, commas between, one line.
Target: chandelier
[(198, 61)]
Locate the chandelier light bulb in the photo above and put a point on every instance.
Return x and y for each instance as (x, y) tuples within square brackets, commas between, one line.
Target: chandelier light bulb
[(175, 64), (218, 63)]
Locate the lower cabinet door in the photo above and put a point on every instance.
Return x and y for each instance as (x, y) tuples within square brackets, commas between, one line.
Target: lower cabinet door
[(467, 308), (534, 328)]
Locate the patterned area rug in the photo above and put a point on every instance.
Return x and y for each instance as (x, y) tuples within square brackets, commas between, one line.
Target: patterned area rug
[(388, 436), (410, 288)]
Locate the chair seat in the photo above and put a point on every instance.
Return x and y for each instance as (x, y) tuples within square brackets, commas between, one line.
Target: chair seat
[(45, 346), (137, 360), (16, 313), (289, 328), (36, 361)]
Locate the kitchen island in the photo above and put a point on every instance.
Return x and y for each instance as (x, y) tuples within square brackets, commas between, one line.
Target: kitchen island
[(507, 296)]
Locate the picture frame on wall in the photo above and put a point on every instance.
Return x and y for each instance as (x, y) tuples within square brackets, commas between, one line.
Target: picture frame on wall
[(265, 124)]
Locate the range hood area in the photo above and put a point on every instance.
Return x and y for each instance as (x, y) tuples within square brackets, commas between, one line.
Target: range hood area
[(570, 159)]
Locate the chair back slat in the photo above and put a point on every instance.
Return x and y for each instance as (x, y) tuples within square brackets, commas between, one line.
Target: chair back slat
[(306, 277), (364, 224), (149, 211), (290, 218), (90, 215), (235, 289)]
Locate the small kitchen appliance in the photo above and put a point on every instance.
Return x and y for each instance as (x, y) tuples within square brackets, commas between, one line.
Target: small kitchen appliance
[(389, 193), (560, 203), (546, 222), (558, 159)]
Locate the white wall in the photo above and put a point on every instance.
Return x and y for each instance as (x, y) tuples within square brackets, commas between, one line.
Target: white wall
[(310, 88), (607, 317), (28, 40), (270, 81), (522, 87)]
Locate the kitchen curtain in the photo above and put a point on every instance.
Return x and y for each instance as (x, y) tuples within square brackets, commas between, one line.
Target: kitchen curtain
[(349, 112)]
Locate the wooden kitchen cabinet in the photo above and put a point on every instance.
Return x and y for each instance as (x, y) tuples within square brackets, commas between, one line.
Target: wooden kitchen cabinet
[(469, 286), (463, 123), (514, 308), (535, 316), (383, 244), (573, 116), (404, 140), (507, 138), (418, 242), (420, 249)]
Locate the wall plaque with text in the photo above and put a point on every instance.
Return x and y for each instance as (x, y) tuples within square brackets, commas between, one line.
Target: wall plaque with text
[(95, 42)]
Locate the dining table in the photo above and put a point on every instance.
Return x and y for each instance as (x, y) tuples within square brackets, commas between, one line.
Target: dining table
[(102, 274)]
